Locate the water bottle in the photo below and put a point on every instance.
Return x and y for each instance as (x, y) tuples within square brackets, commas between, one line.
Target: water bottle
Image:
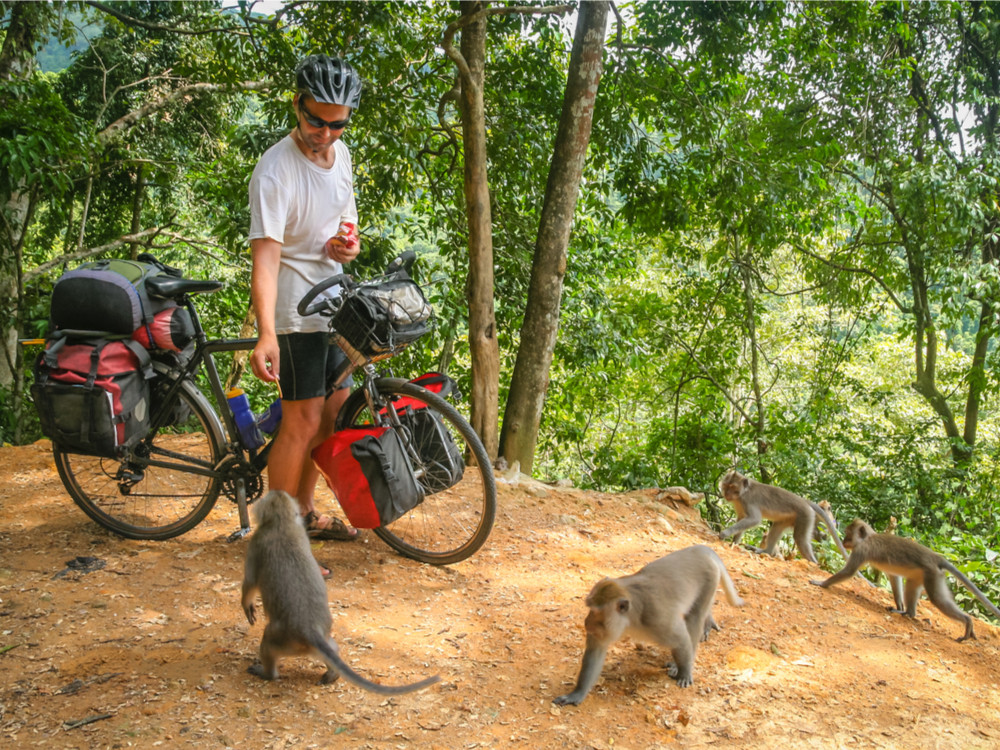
[(246, 423), (269, 419)]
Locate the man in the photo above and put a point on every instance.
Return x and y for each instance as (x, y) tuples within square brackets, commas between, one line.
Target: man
[(303, 216)]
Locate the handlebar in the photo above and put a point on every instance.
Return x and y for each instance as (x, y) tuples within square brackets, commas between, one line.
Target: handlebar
[(305, 308), (403, 262)]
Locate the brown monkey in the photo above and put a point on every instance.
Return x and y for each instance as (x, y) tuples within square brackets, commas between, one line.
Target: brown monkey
[(669, 602), (900, 558), (281, 567), (755, 501)]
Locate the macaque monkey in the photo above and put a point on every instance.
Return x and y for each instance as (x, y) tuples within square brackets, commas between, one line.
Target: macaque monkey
[(755, 501), (668, 602), (900, 557), (280, 566)]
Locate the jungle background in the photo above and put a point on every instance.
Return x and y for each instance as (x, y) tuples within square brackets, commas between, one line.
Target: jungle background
[(661, 239)]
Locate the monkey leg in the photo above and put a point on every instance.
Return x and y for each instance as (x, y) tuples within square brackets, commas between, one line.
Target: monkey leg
[(698, 619), (267, 667), (773, 535), (329, 677), (803, 535), (940, 596), (896, 582), (271, 649), (911, 595), (710, 625)]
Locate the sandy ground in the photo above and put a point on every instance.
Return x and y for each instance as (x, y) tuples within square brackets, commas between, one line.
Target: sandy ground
[(152, 649)]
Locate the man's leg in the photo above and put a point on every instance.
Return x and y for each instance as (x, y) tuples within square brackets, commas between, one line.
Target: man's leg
[(290, 452), (306, 489)]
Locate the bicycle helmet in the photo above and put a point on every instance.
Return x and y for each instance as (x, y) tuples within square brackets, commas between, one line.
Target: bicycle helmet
[(329, 80)]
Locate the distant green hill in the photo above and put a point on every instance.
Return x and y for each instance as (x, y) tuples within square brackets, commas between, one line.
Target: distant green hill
[(55, 56)]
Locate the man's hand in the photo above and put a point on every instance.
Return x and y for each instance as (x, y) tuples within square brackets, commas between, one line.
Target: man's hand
[(338, 250), (265, 359), (344, 246)]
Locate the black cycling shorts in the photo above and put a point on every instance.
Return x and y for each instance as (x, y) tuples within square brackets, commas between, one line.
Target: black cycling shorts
[(308, 364)]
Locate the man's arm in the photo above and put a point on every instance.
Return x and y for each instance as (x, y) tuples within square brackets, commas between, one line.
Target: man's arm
[(266, 254)]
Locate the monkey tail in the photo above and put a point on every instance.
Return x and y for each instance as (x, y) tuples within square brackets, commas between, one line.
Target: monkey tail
[(831, 526), (946, 565), (333, 659), (732, 595)]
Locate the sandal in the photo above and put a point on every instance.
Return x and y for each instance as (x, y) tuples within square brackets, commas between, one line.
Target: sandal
[(333, 529), (324, 571)]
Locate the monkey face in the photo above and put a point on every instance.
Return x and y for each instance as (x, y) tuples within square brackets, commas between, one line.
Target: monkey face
[(595, 625), (855, 533), (606, 624)]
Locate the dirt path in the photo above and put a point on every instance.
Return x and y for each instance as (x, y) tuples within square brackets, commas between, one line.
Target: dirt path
[(153, 648)]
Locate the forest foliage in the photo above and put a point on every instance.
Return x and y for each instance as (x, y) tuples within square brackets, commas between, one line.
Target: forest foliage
[(784, 256)]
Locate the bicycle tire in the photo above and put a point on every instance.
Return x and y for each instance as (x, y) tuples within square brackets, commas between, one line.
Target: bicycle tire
[(452, 523), (157, 502)]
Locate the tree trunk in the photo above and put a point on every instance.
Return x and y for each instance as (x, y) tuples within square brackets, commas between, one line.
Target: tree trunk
[(530, 380), (25, 27), (137, 201), (483, 343), (750, 309)]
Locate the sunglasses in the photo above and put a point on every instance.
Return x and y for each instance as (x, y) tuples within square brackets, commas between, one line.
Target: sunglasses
[(315, 122)]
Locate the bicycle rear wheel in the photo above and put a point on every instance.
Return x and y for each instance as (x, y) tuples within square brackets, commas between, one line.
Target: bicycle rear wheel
[(454, 520), (163, 488)]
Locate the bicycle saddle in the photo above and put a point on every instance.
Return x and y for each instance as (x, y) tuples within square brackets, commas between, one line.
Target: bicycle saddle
[(167, 287)]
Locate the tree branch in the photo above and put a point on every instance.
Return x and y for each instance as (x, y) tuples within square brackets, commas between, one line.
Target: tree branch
[(455, 26), (856, 270), (127, 239), (149, 26), (113, 130)]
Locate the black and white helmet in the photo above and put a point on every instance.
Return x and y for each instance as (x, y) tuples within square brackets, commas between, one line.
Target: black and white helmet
[(329, 80)]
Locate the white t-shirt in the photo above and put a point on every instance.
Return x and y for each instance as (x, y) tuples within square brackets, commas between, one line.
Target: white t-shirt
[(300, 204)]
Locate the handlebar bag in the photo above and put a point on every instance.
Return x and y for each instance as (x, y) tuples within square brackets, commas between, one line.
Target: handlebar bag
[(379, 315), (92, 396), (370, 473)]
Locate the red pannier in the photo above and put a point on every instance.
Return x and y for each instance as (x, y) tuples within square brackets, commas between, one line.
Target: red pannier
[(92, 395), (370, 473)]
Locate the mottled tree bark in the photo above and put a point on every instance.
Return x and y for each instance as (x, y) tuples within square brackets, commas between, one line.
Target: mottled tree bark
[(482, 314)]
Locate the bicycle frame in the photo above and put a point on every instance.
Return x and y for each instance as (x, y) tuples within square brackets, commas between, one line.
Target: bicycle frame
[(237, 464)]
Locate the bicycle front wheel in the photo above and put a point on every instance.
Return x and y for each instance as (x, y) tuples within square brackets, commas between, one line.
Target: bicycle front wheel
[(164, 487), (455, 518)]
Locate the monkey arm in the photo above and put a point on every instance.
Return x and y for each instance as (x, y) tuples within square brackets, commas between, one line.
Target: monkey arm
[(249, 593), (590, 670), (752, 518), (851, 567)]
